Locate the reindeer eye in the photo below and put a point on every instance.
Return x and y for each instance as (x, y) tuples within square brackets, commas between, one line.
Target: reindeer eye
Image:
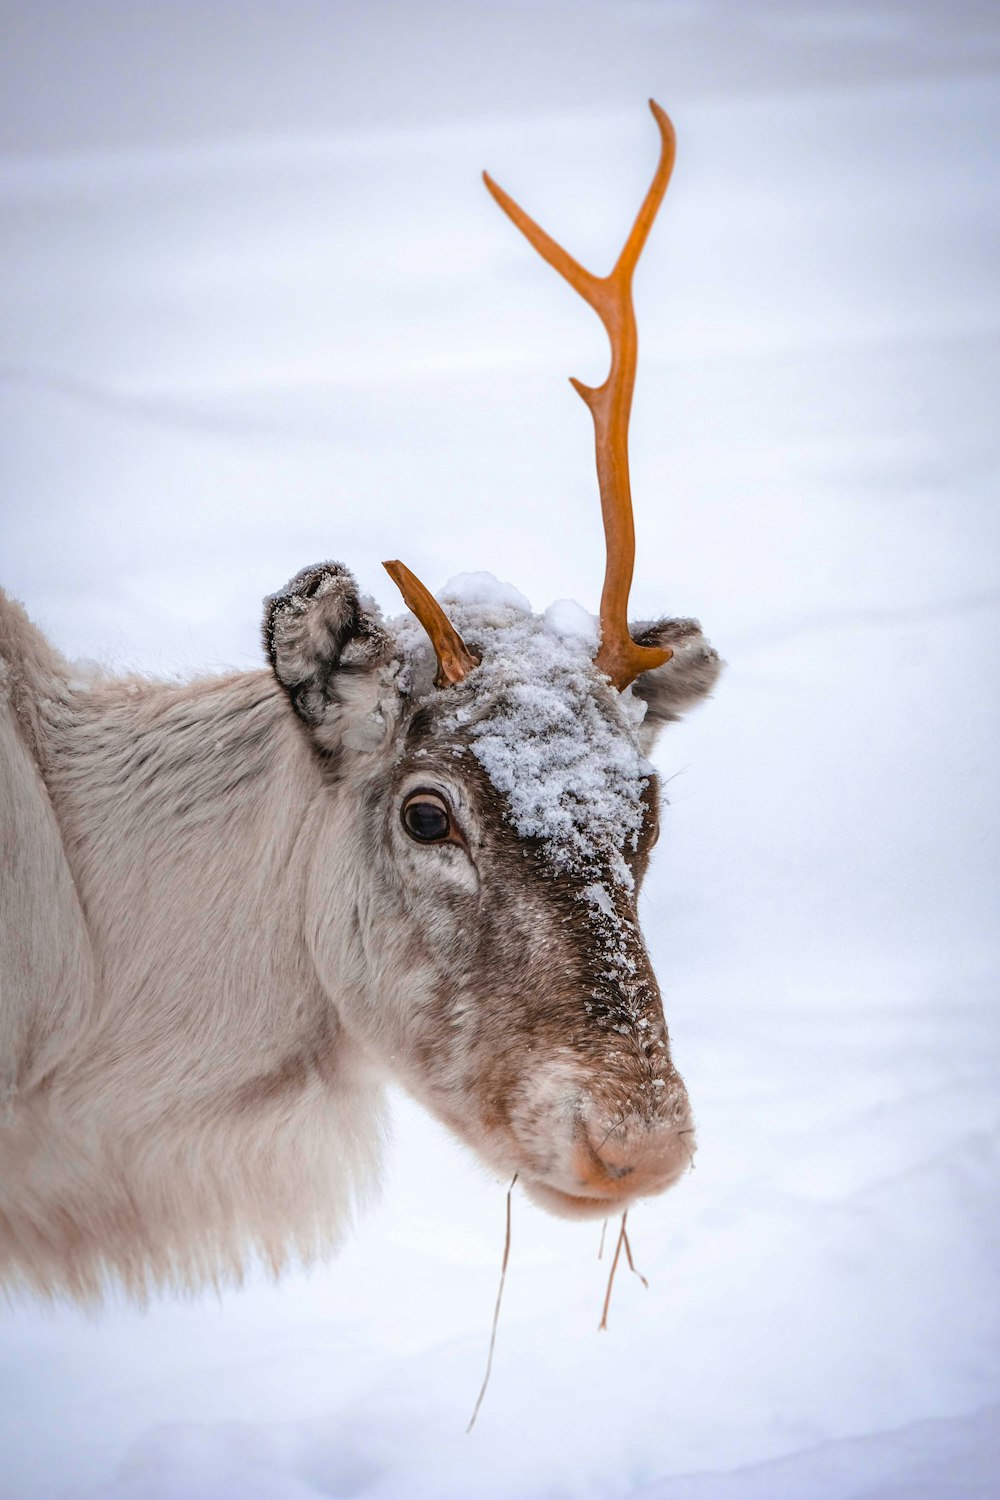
[(426, 818)]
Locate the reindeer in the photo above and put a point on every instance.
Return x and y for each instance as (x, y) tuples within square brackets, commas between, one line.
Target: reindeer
[(232, 908)]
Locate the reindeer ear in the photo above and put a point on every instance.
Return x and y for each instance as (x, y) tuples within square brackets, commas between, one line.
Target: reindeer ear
[(325, 648), (689, 675)]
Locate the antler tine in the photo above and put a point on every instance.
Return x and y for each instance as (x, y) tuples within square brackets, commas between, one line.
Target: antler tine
[(455, 660), (610, 404)]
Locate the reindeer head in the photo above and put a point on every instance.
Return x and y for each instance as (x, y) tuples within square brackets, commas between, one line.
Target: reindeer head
[(487, 823)]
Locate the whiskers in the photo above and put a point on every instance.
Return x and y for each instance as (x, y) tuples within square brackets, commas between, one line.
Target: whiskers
[(605, 1138)]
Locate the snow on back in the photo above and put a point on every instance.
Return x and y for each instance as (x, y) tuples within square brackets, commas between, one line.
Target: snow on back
[(552, 735)]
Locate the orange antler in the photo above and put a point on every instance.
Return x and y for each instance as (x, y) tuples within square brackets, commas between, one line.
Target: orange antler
[(454, 658), (611, 298)]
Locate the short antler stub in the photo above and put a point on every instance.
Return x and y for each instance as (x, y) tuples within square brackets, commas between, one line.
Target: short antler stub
[(455, 660), (610, 404)]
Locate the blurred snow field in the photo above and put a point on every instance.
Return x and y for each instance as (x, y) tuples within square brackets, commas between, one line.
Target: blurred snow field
[(257, 310)]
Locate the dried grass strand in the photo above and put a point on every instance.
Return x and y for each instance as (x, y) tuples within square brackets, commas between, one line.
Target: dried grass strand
[(496, 1314), (611, 1279), (622, 1243), (631, 1262)]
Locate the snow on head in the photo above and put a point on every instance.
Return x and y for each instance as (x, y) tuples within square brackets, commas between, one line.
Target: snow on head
[(570, 620), (553, 737), (483, 590)]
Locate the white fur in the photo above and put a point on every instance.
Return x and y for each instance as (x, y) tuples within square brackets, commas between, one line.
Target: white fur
[(217, 940), (177, 1089)]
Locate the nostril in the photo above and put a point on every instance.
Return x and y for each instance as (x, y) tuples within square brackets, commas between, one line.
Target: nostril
[(591, 1173), (614, 1151), (599, 1163), (633, 1154), (615, 1173)]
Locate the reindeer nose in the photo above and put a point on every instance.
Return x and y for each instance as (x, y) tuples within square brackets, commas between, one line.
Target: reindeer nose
[(634, 1157)]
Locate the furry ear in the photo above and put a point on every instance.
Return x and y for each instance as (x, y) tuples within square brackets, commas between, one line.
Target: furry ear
[(325, 648), (689, 675)]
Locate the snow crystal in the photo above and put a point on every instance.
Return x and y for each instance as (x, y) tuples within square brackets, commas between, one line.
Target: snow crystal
[(597, 895)]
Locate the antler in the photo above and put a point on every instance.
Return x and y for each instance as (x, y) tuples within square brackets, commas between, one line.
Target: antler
[(611, 298), (454, 658)]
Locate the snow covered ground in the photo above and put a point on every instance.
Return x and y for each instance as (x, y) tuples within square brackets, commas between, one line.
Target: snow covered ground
[(256, 310)]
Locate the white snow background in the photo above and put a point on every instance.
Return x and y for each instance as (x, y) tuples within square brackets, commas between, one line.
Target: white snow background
[(256, 310)]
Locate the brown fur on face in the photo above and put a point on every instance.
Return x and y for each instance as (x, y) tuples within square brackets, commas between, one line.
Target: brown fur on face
[(516, 1027), (217, 939)]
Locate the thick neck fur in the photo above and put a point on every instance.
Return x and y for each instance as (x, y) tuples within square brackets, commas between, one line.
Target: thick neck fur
[(200, 1103)]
